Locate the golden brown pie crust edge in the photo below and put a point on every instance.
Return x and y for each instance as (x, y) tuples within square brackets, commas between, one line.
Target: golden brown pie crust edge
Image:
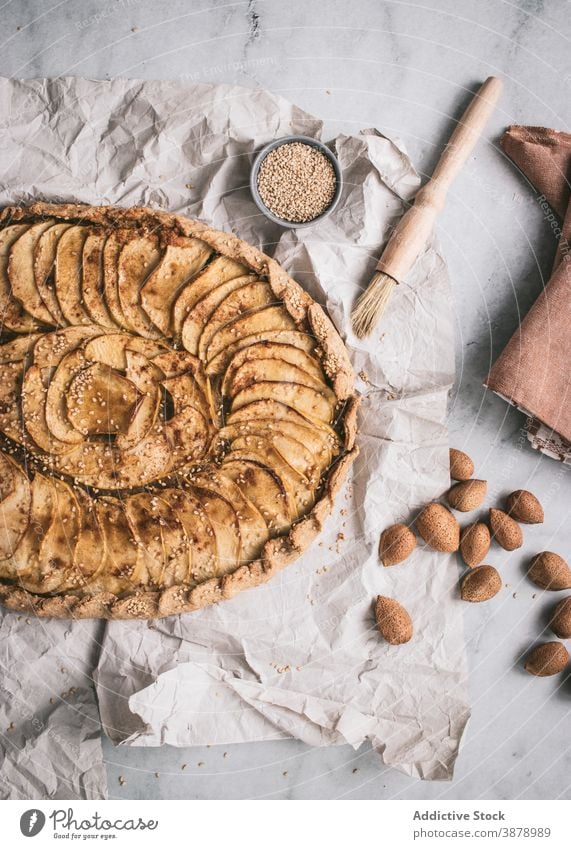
[(276, 553)]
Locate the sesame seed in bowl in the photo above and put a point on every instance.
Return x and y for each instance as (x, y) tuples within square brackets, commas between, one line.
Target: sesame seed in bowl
[(296, 181)]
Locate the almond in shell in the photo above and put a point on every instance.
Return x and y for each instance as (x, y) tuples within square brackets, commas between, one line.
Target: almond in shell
[(467, 495), (438, 527), (461, 465), (505, 530), (474, 543), (393, 621), (524, 507), (550, 572), (480, 584), (397, 543), (560, 622), (547, 659)]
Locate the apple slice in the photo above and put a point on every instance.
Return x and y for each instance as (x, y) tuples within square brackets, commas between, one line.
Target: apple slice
[(265, 350), (34, 392), (198, 317), (272, 369), (89, 551), (12, 314), (18, 349), (44, 270), (222, 518), (181, 261), (137, 260), (11, 376), (311, 403), (114, 244), (294, 338), (253, 529), (245, 300), (262, 486), (22, 276), (55, 564), (57, 419), (161, 535), (25, 559), (68, 275), (145, 376), (110, 349), (92, 280), (198, 529), (122, 559), (51, 348), (267, 318), (217, 272), (14, 508)]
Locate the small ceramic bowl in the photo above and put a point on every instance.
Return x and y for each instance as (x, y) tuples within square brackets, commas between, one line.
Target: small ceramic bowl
[(293, 225)]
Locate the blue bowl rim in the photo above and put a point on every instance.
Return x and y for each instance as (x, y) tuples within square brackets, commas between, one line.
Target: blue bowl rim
[(261, 155)]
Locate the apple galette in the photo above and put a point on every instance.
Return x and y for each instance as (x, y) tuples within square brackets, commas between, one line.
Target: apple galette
[(176, 413)]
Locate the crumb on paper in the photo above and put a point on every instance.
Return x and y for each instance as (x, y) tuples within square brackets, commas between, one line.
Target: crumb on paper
[(200, 763), (284, 773), (355, 769), (157, 774), (225, 754), (183, 766), (188, 186), (121, 780)]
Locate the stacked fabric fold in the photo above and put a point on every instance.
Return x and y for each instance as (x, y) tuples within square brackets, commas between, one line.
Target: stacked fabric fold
[(534, 370)]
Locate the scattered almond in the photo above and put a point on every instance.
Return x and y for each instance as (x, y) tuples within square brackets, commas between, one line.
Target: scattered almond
[(524, 507), (480, 584), (393, 621), (397, 543), (467, 495), (550, 572), (560, 622), (438, 527), (461, 466), (505, 530), (547, 659), (474, 543)]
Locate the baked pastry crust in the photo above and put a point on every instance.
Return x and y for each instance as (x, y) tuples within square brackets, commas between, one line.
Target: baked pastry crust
[(160, 291)]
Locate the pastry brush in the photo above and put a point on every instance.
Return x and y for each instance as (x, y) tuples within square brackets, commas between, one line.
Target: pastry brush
[(411, 234)]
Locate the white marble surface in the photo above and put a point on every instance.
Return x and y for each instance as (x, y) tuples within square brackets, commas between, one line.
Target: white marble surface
[(406, 68)]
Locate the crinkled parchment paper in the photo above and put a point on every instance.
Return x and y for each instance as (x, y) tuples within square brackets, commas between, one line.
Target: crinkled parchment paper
[(299, 656)]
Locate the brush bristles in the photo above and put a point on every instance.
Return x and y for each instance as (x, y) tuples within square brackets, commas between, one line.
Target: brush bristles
[(372, 304)]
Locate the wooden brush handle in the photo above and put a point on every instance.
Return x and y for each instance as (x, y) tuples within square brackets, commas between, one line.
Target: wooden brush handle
[(413, 230)]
